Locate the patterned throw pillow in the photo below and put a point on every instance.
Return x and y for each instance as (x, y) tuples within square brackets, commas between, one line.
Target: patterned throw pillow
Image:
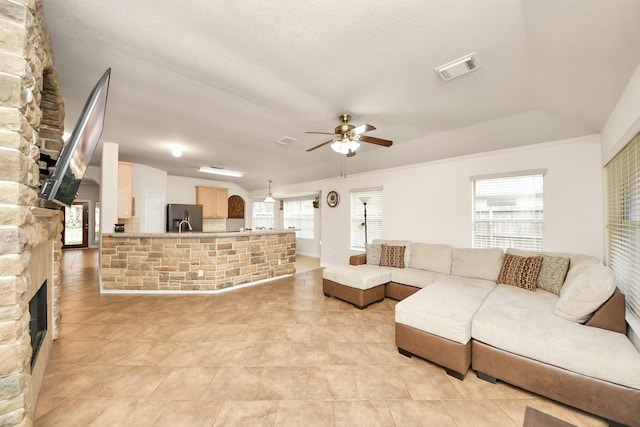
[(392, 256), (373, 253), (520, 271), (552, 273)]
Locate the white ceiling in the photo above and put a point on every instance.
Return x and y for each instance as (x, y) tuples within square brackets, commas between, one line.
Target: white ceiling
[(226, 79)]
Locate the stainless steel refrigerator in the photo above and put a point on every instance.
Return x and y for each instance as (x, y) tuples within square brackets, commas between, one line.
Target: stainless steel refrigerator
[(185, 214)]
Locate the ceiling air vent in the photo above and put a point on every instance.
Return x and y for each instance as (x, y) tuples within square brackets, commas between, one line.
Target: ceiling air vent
[(458, 67), (286, 140)]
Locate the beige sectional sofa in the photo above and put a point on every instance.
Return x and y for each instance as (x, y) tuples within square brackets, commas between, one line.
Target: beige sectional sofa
[(561, 334)]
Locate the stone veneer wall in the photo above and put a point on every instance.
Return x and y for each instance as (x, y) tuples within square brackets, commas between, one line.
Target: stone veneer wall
[(31, 124), (158, 263)]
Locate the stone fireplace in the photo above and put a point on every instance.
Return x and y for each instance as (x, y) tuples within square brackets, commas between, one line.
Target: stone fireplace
[(31, 128)]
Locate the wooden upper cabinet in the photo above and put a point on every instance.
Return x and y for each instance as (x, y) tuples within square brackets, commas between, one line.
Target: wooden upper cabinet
[(213, 201), (125, 190)]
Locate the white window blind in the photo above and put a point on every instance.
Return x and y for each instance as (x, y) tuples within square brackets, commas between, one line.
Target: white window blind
[(508, 212), (374, 217), (623, 223), (262, 215), (300, 214)]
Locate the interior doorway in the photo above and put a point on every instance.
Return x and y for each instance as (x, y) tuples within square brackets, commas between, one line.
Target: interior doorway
[(76, 226)]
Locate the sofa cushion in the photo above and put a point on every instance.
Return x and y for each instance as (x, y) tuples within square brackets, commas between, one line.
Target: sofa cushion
[(405, 243), (392, 256), (431, 257), (581, 296), (520, 271), (552, 273), (415, 277), (373, 253), (358, 276), (444, 308), (478, 263), (524, 323)]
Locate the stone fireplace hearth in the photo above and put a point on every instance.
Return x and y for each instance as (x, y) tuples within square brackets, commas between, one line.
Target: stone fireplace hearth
[(31, 128)]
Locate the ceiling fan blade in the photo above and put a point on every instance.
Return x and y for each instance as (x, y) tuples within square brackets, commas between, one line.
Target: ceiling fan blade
[(321, 133), (362, 129), (321, 145), (377, 141)]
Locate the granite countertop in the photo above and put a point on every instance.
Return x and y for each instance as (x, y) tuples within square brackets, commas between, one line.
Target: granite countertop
[(200, 234)]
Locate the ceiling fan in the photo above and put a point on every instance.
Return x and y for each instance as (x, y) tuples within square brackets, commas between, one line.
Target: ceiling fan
[(346, 138)]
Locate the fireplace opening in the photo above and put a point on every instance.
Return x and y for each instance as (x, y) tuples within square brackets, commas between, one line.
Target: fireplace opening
[(38, 323)]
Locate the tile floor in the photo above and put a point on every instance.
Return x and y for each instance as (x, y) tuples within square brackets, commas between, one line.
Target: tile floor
[(277, 354)]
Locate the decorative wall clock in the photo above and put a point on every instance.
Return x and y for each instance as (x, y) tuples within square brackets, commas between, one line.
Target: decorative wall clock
[(333, 199)]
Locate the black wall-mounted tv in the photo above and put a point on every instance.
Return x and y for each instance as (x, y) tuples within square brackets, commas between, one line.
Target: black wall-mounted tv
[(74, 158)]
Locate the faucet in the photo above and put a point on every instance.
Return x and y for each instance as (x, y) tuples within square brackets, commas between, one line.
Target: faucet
[(183, 222)]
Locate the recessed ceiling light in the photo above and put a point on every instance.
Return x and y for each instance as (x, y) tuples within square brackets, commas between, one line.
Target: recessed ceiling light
[(217, 171), (176, 151)]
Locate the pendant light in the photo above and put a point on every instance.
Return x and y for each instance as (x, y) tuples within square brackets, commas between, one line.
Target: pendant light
[(269, 198)]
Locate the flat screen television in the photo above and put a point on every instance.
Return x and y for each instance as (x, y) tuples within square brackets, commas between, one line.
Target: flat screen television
[(74, 158)]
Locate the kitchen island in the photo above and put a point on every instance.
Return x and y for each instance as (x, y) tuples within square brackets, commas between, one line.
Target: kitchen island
[(193, 261)]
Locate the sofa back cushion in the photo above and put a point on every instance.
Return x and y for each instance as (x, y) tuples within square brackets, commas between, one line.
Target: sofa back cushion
[(477, 263), (405, 243), (585, 293), (431, 257)]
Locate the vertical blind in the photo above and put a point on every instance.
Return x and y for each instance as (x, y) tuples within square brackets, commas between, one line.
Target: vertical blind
[(508, 212), (374, 217), (623, 222), (300, 214), (262, 215)]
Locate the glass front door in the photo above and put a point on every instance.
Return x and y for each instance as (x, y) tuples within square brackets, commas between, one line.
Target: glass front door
[(76, 226)]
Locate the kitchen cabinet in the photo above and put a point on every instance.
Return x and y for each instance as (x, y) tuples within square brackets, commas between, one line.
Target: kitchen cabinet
[(213, 201), (125, 190)]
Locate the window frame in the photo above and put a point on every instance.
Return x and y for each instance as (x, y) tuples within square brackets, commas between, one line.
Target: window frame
[(307, 233), (375, 216)]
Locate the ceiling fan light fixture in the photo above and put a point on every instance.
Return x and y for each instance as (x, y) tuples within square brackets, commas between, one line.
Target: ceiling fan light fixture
[(345, 146), (269, 198), (219, 171)]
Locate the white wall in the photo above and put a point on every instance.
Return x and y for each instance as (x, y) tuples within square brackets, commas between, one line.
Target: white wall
[(432, 202), (109, 187), (624, 121)]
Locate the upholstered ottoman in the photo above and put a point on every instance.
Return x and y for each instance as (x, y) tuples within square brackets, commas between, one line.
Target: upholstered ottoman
[(359, 285), (435, 322)]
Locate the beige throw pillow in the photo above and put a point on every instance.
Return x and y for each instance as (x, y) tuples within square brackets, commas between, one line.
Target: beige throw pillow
[(373, 253), (520, 271), (392, 256), (552, 273)]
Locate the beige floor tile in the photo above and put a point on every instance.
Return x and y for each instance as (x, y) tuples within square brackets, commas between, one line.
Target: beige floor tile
[(247, 413), (75, 411), (308, 414), (310, 353), (132, 381), (233, 383), (362, 412), (480, 413), (427, 382), (419, 413), (184, 383), (148, 353), (331, 383), (187, 413), (268, 354), (282, 383), (374, 382)]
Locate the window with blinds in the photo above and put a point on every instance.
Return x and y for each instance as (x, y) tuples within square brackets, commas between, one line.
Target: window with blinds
[(623, 222), (262, 215), (373, 199), (300, 214), (508, 211)]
